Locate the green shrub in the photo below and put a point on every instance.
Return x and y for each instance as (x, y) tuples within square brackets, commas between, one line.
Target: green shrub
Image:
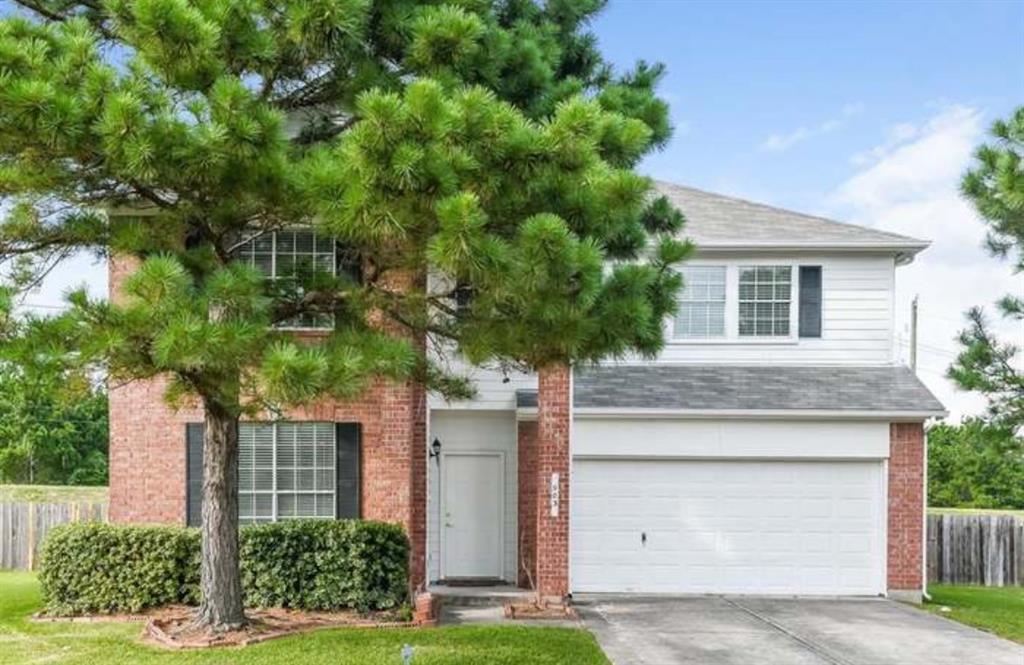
[(310, 564), (325, 565), (93, 567)]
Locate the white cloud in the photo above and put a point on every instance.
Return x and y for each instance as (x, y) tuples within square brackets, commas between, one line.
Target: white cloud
[(910, 184), (785, 141)]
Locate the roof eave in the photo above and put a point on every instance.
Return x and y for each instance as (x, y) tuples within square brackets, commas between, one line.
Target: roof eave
[(908, 250), (890, 415)]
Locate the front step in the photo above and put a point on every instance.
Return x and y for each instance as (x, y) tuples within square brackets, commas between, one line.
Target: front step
[(479, 596)]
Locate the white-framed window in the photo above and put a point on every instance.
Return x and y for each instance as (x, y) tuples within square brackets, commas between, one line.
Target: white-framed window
[(286, 470), (292, 254), (701, 312), (765, 300)]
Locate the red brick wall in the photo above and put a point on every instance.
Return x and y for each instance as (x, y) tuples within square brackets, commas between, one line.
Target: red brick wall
[(906, 506), (527, 503), (553, 415), (147, 452)]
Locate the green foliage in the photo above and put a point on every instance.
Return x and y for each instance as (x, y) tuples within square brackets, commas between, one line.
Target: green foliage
[(310, 564), (482, 147), (53, 428), (93, 567), (975, 465), (325, 565), (995, 185)]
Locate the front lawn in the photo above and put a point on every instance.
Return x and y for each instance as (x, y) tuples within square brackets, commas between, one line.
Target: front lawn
[(997, 610), (22, 641), (53, 493)]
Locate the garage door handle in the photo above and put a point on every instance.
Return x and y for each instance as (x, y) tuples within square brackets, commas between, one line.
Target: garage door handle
[(643, 538)]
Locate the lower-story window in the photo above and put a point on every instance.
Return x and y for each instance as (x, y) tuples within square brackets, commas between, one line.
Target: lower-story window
[(286, 470)]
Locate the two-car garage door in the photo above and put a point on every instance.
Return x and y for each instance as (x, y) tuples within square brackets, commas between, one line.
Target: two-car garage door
[(728, 526)]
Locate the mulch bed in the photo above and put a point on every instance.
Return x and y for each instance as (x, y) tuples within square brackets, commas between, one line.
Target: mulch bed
[(171, 626)]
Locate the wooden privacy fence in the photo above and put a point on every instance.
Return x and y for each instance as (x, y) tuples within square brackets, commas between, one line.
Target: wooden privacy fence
[(976, 548), (24, 525)]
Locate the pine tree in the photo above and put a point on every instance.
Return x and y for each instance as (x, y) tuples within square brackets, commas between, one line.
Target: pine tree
[(478, 152), (996, 187)]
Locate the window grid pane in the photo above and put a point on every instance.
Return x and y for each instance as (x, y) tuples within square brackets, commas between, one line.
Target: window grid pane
[(286, 470), (701, 303), (292, 254), (764, 301)]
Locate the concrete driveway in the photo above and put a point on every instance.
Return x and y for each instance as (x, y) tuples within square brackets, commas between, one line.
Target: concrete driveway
[(716, 630)]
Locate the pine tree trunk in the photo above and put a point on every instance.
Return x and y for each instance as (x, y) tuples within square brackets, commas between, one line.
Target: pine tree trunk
[(221, 608)]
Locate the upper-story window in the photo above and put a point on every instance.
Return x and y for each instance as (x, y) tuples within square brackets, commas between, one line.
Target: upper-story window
[(746, 303), (701, 310), (293, 254), (765, 295)]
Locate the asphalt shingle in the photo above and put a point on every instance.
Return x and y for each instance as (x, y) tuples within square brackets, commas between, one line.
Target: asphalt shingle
[(714, 220), (762, 387)]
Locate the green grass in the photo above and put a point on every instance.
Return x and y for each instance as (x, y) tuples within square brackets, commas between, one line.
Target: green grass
[(973, 511), (997, 610), (52, 493), (26, 642)]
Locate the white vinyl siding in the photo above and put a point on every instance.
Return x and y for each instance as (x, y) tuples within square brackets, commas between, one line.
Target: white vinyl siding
[(856, 327), (765, 299), (293, 254), (701, 311), (856, 318), (286, 470)]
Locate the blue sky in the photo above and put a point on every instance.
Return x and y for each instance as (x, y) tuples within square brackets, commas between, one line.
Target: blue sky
[(861, 111), (741, 72)]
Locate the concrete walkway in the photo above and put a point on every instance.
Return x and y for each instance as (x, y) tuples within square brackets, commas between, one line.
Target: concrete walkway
[(716, 630)]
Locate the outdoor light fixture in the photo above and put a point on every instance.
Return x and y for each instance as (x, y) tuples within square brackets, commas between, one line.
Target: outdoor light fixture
[(435, 449)]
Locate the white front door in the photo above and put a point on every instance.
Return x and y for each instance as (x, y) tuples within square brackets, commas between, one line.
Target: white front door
[(780, 527), (472, 524)]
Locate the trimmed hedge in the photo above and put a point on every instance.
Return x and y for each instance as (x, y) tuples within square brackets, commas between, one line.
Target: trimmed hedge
[(304, 564)]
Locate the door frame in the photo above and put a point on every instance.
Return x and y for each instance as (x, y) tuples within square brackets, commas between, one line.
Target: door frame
[(443, 502)]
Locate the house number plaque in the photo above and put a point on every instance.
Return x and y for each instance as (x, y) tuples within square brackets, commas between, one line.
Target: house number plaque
[(555, 494)]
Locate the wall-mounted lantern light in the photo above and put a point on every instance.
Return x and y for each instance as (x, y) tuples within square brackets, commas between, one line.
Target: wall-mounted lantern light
[(435, 449)]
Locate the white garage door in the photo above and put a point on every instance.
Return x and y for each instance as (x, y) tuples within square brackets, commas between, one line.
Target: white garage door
[(727, 527)]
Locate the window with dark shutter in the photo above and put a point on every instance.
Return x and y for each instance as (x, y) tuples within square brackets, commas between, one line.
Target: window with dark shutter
[(810, 301), (194, 469), (285, 470), (348, 438)]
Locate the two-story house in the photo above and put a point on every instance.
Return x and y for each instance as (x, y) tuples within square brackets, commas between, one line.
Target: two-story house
[(775, 446)]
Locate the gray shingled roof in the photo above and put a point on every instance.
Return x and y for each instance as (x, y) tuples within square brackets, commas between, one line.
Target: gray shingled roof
[(762, 388), (714, 220)]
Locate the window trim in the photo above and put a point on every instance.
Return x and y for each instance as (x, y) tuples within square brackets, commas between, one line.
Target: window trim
[(793, 278), (275, 492), (732, 286), (725, 306)]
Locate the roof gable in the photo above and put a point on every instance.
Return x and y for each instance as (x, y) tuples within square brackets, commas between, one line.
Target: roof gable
[(714, 221)]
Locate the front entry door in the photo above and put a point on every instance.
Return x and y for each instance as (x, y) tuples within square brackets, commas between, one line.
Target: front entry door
[(472, 515)]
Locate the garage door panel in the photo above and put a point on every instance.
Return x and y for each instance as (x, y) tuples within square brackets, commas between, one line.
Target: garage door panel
[(788, 527)]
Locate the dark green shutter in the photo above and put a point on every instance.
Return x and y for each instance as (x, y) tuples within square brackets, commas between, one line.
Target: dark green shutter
[(194, 473), (810, 301), (349, 436)]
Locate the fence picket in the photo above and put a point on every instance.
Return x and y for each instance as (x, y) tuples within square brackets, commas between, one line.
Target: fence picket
[(24, 525), (979, 549)]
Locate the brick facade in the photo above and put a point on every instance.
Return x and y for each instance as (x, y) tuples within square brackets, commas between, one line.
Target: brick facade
[(147, 452), (906, 507), (527, 502), (553, 424)]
